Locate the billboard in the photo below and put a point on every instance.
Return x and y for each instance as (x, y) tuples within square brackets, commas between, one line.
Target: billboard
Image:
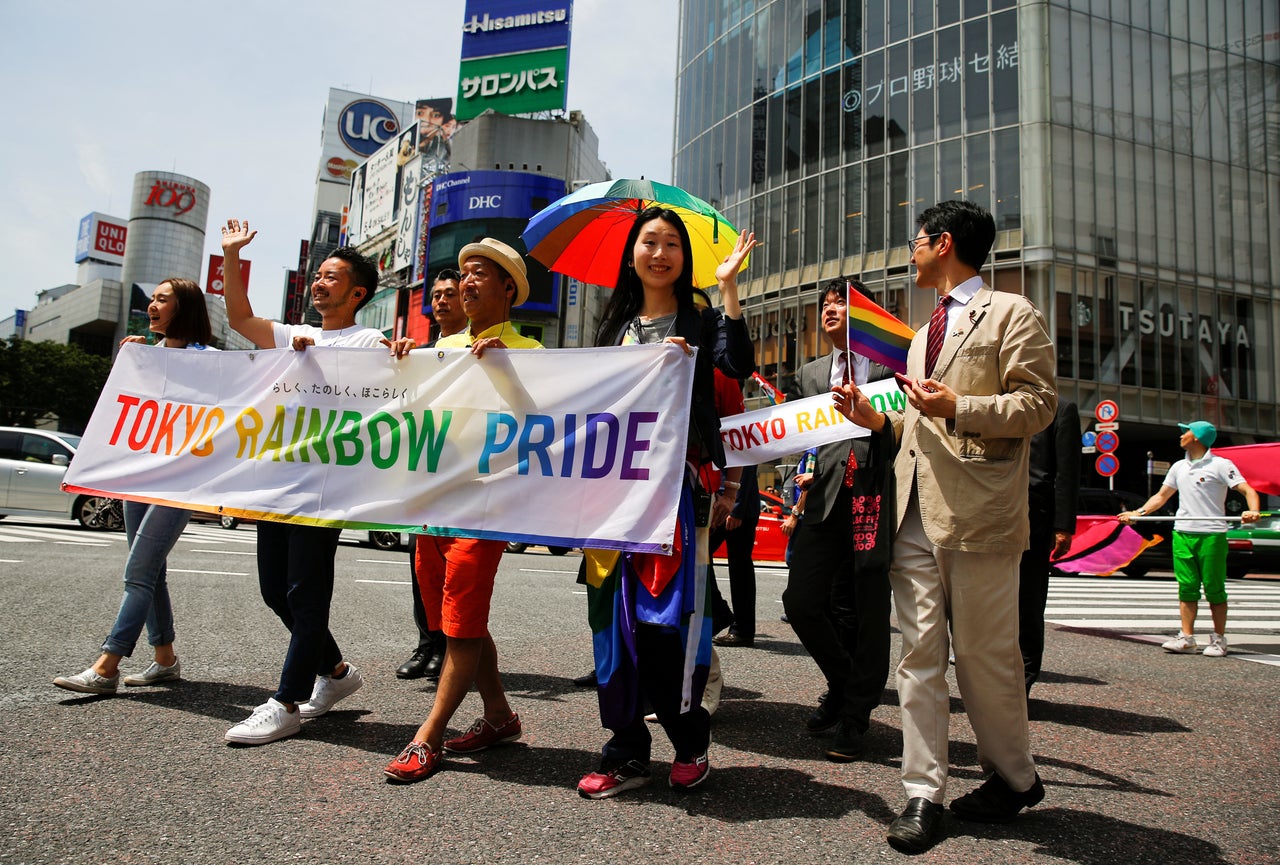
[(493, 27), (102, 239), (515, 57), (355, 126), (467, 205), (215, 278), (376, 198)]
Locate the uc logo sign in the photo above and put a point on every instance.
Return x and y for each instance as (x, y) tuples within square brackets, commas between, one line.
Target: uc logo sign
[(365, 125)]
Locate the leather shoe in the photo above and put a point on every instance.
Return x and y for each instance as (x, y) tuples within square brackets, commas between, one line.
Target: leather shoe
[(734, 638), (415, 667), (588, 681), (996, 802), (826, 716), (916, 828), (434, 664), (848, 744)]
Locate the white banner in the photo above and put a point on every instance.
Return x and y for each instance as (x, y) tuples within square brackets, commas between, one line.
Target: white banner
[(768, 434), (574, 447)]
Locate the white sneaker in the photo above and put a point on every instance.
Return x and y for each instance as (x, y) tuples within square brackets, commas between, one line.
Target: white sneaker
[(329, 691), (1183, 643), (88, 682), (1217, 647), (155, 674), (269, 722)]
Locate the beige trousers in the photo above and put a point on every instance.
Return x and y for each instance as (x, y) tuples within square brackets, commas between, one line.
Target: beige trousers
[(977, 594)]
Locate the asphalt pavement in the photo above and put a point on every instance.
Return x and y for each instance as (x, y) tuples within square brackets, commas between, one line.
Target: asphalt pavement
[(1147, 757)]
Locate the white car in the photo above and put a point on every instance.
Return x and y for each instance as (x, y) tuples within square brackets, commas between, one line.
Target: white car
[(32, 463)]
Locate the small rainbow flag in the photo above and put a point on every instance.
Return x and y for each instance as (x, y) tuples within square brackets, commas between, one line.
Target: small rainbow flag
[(772, 393), (877, 334)]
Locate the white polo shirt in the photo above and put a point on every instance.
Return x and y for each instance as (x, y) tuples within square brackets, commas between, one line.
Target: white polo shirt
[(1202, 487)]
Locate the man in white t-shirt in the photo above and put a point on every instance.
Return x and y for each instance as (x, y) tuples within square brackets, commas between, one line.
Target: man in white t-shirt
[(295, 562), (1199, 542)]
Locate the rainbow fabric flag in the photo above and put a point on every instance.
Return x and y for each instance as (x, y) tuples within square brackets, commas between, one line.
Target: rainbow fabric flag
[(875, 333), (1104, 549), (774, 395)]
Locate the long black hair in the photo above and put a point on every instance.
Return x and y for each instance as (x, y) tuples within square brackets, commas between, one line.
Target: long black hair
[(628, 293), (190, 321)]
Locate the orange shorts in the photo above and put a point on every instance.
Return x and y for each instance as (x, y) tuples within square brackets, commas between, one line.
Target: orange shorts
[(455, 579)]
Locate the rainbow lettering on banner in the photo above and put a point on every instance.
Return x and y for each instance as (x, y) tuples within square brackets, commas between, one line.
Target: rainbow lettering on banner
[(875, 333), (573, 448)]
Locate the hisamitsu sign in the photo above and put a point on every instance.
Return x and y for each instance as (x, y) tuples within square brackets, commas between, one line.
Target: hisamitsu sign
[(577, 447)]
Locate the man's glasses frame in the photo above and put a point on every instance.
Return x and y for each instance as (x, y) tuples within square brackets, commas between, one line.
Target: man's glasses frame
[(916, 241)]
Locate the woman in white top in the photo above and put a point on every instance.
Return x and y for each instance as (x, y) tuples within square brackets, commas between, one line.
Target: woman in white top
[(178, 316)]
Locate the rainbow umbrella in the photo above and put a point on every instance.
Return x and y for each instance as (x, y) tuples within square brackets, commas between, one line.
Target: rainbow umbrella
[(582, 234)]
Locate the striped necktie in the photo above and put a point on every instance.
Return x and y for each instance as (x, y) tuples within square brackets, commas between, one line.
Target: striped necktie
[(937, 334)]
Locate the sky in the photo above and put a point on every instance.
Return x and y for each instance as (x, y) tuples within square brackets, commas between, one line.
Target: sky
[(234, 95)]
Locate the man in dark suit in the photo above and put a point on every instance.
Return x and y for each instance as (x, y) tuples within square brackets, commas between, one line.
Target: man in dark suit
[(837, 595), (1055, 483)]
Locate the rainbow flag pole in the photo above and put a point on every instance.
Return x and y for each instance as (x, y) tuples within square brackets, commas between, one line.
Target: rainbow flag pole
[(875, 333)]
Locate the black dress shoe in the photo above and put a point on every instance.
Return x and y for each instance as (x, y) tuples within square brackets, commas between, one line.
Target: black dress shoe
[(734, 638), (415, 667), (588, 681), (434, 664), (996, 802), (848, 744), (826, 716), (916, 829)]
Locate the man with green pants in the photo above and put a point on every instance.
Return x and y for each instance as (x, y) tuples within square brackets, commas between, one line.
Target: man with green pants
[(1201, 481)]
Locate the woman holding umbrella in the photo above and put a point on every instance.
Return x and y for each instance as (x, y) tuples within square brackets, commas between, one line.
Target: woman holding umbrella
[(650, 621)]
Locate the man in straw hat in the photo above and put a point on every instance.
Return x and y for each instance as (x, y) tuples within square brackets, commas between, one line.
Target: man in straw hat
[(455, 575), (1201, 481)]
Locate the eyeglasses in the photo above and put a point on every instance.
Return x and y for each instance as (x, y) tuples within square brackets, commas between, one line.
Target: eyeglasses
[(914, 242)]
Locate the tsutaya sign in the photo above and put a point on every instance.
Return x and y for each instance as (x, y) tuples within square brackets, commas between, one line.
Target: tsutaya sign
[(777, 431), (1168, 322), (577, 447)]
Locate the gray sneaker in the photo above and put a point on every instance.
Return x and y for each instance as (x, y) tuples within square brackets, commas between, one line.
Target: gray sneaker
[(329, 691), (89, 682), (155, 674)]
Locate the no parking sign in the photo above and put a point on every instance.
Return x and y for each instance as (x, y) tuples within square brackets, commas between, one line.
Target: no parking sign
[(1107, 465)]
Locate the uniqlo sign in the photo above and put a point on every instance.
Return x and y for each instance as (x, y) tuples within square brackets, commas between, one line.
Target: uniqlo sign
[(216, 278), (101, 239)]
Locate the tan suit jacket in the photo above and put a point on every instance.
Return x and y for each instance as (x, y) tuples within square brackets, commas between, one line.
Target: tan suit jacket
[(970, 472)]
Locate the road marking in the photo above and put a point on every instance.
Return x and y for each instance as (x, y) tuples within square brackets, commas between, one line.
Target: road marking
[(8, 540), (81, 544), (386, 582), (547, 571), (11, 561), (400, 562), (222, 552), (214, 573)]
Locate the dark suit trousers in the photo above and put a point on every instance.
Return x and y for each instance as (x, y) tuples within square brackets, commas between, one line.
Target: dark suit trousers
[(840, 612), (739, 545), (1033, 595)]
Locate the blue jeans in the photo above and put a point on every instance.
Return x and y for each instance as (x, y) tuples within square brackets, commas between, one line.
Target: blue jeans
[(152, 530)]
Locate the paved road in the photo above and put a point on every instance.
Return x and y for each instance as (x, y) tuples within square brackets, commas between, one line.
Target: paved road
[(1147, 757)]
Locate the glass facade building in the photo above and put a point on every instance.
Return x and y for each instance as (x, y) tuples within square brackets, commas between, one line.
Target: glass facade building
[(1128, 149)]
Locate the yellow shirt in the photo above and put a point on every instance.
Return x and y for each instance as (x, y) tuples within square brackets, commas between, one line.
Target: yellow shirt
[(511, 337)]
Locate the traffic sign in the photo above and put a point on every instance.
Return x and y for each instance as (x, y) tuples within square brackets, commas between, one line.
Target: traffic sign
[(1088, 438), (1102, 426), (1107, 465), (1108, 442), (1107, 411)]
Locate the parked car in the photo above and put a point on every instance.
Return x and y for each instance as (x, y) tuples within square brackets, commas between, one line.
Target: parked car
[(32, 464), (225, 520), (770, 543), (389, 541), (517, 547), (1254, 549)]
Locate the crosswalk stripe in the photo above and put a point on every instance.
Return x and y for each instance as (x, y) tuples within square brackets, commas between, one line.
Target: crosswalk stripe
[(1140, 607)]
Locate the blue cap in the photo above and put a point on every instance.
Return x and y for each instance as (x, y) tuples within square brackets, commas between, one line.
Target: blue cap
[(1204, 431)]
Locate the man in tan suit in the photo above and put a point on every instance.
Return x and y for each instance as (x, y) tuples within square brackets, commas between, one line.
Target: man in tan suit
[(982, 384)]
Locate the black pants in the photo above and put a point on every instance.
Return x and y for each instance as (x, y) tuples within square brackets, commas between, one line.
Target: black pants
[(1033, 595), (840, 611), (295, 576), (428, 640), (739, 545), (660, 659)]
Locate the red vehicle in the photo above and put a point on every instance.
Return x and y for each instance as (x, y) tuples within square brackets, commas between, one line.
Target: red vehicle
[(770, 544)]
